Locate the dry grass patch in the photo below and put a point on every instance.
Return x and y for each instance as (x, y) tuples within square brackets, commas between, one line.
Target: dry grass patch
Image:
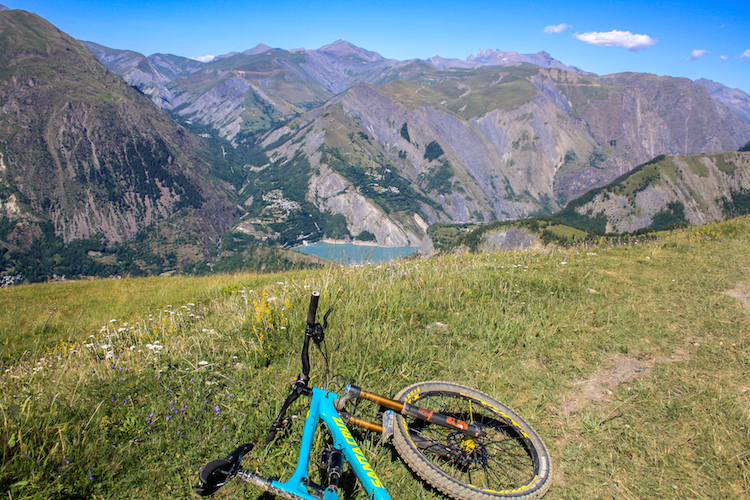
[(603, 382), (741, 292)]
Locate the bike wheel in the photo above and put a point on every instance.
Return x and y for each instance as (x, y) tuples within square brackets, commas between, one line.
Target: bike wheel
[(510, 461)]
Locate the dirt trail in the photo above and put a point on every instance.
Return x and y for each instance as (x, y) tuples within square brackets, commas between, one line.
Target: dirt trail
[(621, 369)]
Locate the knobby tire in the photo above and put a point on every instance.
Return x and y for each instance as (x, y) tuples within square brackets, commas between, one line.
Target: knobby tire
[(509, 462)]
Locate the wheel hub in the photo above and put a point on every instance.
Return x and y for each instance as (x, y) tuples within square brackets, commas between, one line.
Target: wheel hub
[(467, 450)]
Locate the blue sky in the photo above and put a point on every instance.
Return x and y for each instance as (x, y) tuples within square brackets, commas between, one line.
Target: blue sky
[(692, 39)]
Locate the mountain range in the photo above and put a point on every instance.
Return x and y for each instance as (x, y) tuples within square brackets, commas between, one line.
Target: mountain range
[(517, 134), (194, 163)]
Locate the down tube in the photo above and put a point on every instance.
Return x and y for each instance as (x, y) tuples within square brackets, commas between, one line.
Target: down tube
[(343, 440)]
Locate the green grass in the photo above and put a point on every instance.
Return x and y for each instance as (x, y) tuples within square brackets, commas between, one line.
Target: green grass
[(567, 232), (92, 407)]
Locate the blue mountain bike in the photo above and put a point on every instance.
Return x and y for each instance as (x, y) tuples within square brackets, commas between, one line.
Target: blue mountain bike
[(462, 442)]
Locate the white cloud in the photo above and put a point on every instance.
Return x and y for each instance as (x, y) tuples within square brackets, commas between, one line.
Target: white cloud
[(723, 58), (745, 55), (697, 53), (203, 58), (556, 29), (622, 39)]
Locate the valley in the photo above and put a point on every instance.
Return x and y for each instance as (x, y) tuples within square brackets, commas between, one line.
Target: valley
[(165, 164)]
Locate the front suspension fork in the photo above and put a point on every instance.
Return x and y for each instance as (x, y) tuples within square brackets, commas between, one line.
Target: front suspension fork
[(406, 409)]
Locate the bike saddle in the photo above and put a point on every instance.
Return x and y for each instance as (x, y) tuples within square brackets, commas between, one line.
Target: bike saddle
[(216, 474)]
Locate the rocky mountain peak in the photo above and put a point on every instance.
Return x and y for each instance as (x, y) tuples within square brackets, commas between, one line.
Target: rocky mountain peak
[(496, 57), (735, 99), (258, 49), (342, 48)]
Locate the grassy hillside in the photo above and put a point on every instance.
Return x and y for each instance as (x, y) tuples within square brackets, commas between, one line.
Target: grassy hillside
[(631, 362)]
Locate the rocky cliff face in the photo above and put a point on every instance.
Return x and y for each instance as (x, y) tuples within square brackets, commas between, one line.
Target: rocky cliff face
[(86, 152)]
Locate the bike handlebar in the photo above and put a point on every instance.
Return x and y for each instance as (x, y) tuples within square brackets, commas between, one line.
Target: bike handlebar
[(313, 308), (309, 330)]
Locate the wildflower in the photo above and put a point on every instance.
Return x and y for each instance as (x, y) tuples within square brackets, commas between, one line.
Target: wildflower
[(155, 346)]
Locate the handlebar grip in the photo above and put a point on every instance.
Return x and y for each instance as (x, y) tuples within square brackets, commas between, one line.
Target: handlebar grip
[(313, 308)]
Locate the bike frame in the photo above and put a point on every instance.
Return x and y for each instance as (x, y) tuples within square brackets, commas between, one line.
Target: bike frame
[(322, 408)]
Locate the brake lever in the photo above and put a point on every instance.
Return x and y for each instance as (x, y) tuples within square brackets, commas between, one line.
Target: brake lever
[(325, 318), (317, 332)]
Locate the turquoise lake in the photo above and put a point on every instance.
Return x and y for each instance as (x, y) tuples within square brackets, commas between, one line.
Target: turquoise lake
[(349, 253)]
